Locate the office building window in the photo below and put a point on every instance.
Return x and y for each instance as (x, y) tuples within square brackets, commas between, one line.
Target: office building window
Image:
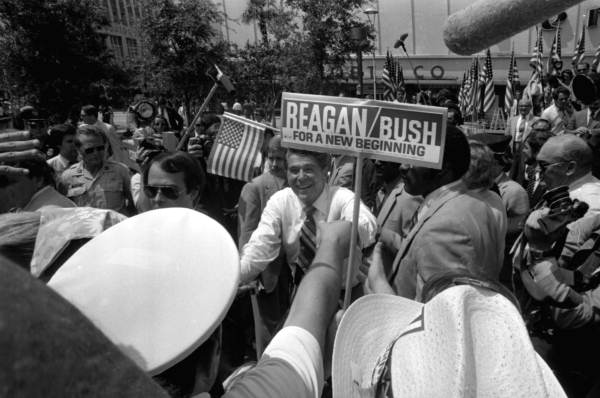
[(123, 13), (130, 12), (132, 48), (136, 7), (115, 11), (116, 44)]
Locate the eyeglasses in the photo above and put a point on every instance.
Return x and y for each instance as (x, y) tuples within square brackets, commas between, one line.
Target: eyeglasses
[(89, 151), (542, 166), (169, 192)]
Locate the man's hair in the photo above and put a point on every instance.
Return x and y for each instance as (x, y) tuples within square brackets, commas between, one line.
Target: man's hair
[(90, 110), (481, 168), (457, 154), (58, 132), (175, 162), (561, 90), (322, 159), (537, 138), (89, 131)]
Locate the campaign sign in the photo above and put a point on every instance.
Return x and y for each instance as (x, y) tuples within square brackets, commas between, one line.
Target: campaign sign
[(404, 133)]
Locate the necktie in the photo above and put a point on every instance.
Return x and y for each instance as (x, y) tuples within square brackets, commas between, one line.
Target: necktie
[(308, 239), (530, 171), (520, 131)]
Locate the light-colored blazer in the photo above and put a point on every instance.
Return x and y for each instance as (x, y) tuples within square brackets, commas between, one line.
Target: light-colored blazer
[(457, 232), (512, 126)]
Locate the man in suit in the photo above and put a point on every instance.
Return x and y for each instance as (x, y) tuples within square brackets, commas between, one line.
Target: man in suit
[(272, 300), (174, 120), (395, 209), (519, 127), (453, 229)]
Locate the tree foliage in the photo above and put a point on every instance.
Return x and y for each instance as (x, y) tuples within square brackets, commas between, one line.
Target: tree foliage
[(183, 42), (53, 54), (327, 24), (304, 48)]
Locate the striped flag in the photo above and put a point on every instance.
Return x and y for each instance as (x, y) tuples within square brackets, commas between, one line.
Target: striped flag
[(465, 92), (555, 60), (579, 48), (474, 92), (236, 147), (488, 83), (516, 80), (536, 57), (393, 78), (508, 94), (596, 62), (389, 91)]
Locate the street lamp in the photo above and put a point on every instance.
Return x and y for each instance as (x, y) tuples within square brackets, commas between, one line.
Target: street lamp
[(373, 12), (358, 36)]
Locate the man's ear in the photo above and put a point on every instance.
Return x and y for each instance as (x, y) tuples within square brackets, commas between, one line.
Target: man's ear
[(571, 168)]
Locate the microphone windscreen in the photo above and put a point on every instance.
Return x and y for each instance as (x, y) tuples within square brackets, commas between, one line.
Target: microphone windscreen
[(488, 22)]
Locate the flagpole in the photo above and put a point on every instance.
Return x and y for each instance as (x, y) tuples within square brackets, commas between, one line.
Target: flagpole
[(192, 125), (354, 233)]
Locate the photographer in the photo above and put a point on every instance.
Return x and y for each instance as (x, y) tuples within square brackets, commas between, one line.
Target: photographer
[(556, 271)]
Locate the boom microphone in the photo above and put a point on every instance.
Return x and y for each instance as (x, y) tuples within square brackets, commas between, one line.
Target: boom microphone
[(400, 41), (488, 22)]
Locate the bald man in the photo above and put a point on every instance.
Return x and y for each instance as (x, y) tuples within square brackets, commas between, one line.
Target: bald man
[(567, 160)]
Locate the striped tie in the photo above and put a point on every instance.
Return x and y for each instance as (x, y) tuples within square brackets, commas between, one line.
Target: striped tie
[(308, 239), (531, 180)]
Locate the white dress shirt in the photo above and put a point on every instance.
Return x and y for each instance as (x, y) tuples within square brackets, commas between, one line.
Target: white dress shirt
[(587, 189), (282, 220)]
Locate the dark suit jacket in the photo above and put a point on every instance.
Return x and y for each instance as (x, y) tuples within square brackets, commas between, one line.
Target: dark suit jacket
[(173, 118), (252, 202), (396, 215), (457, 232)]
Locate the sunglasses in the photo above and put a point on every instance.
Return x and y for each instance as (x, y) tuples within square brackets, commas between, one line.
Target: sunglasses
[(169, 192), (89, 151)]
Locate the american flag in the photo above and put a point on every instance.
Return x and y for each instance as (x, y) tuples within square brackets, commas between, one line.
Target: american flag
[(536, 57), (555, 61), (393, 78), (236, 147), (475, 88), (508, 94), (461, 93), (579, 48), (488, 83)]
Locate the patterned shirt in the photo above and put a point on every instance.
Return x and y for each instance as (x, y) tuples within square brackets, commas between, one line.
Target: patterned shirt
[(108, 189)]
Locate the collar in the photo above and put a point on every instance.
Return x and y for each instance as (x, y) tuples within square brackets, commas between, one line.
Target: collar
[(322, 202), (582, 181), (441, 191), (501, 178), (41, 192)]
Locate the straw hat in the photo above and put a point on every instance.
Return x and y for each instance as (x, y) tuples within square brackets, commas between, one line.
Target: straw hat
[(465, 342), (157, 284)]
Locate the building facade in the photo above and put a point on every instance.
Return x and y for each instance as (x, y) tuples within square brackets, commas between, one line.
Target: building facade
[(432, 63), (122, 35)]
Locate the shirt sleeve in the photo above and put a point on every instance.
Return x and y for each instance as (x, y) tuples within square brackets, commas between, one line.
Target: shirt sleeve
[(367, 223), (291, 366), (265, 242)]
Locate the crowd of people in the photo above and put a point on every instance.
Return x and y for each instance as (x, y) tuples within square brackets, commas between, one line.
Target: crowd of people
[(480, 278)]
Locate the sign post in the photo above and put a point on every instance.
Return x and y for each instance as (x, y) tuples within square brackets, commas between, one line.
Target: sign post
[(388, 131)]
